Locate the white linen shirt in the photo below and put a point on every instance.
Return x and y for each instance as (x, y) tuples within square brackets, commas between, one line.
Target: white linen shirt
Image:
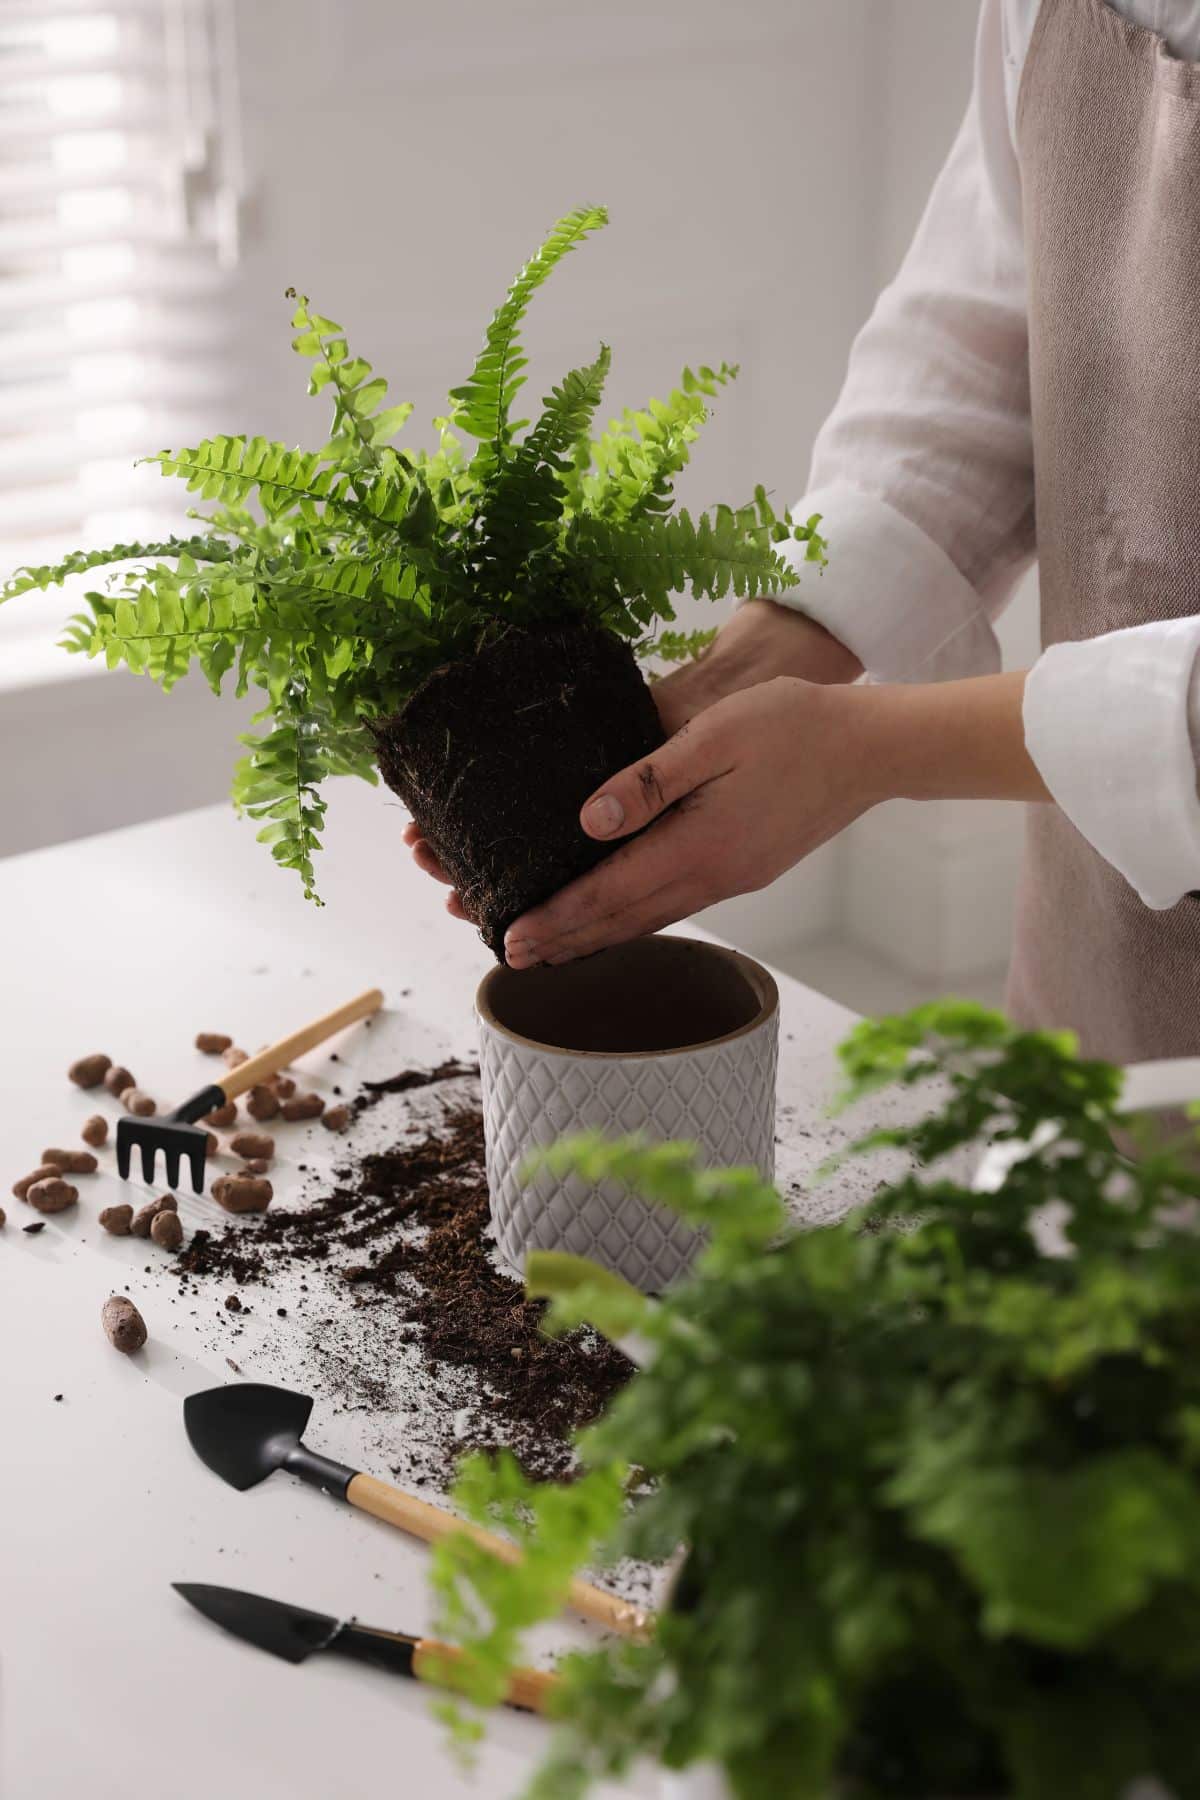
[(933, 416)]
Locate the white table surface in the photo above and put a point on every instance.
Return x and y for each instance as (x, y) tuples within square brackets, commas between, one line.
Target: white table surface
[(110, 1686)]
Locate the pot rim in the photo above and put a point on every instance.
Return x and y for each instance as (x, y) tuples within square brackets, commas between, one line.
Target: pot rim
[(760, 979)]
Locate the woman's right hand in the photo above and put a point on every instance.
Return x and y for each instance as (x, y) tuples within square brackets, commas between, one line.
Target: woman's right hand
[(762, 640)]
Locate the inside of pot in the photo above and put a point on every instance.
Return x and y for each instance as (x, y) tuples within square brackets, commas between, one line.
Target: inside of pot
[(656, 994)]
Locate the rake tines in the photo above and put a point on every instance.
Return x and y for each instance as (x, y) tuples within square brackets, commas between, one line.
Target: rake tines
[(176, 1136)]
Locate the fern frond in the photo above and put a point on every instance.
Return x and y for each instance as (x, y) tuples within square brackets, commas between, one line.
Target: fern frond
[(170, 619), (629, 471), (277, 783), (361, 424), (675, 646), (228, 469), (23, 581), (483, 401), (292, 485), (524, 502), (650, 559)]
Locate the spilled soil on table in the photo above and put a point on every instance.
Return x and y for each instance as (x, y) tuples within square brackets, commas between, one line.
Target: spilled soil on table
[(402, 1238)]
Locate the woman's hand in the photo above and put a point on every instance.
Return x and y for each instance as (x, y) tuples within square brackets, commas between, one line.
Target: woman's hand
[(761, 641), (750, 786)]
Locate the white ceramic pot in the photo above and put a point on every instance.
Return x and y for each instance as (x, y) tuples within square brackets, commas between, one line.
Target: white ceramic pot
[(667, 1036)]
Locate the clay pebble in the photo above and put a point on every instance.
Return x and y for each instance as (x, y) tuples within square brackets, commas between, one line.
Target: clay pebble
[(262, 1103), (52, 1196), (46, 1172), (167, 1230), (222, 1116), (124, 1326), (95, 1131), (71, 1162), (118, 1079), (117, 1219), (242, 1193), (336, 1118), (252, 1145), (134, 1101), (212, 1042), (146, 1215), (303, 1106), (90, 1071)]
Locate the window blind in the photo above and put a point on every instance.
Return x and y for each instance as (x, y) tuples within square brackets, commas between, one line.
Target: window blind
[(121, 196)]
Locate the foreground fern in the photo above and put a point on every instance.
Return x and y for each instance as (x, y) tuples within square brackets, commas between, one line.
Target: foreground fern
[(365, 566), (939, 1485)]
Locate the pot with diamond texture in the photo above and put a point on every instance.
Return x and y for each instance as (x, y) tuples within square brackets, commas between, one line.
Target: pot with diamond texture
[(667, 1036)]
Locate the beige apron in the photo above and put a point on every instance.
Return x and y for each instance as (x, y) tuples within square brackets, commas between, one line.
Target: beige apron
[(1108, 139)]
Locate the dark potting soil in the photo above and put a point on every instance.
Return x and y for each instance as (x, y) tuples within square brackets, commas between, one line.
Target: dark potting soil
[(494, 757), (402, 1238), (409, 1080)]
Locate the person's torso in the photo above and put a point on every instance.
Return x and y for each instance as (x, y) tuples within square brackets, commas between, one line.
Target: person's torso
[(1177, 22), (1107, 133)]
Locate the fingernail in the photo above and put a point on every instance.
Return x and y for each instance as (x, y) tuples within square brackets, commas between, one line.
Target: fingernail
[(604, 815), (518, 952)]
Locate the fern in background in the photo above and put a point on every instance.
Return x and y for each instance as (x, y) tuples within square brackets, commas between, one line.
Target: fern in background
[(332, 581)]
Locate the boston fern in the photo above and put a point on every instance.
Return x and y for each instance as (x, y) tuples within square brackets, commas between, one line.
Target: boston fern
[(363, 566), (939, 1483)]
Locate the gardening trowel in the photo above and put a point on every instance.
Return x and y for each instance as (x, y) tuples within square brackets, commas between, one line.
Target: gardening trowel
[(246, 1431), (295, 1634), (179, 1137)]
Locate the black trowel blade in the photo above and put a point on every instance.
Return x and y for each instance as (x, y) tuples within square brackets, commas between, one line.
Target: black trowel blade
[(245, 1431), (288, 1631)]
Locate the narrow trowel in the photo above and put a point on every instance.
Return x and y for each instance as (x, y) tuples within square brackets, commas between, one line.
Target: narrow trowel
[(295, 1634)]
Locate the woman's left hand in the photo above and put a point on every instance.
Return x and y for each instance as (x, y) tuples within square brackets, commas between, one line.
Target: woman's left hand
[(748, 787)]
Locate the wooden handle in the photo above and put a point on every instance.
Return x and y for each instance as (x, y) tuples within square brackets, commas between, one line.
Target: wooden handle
[(422, 1520), (278, 1056), (527, 1688)]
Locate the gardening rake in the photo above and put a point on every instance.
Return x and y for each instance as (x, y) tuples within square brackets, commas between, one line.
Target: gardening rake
[(181, 1139)]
